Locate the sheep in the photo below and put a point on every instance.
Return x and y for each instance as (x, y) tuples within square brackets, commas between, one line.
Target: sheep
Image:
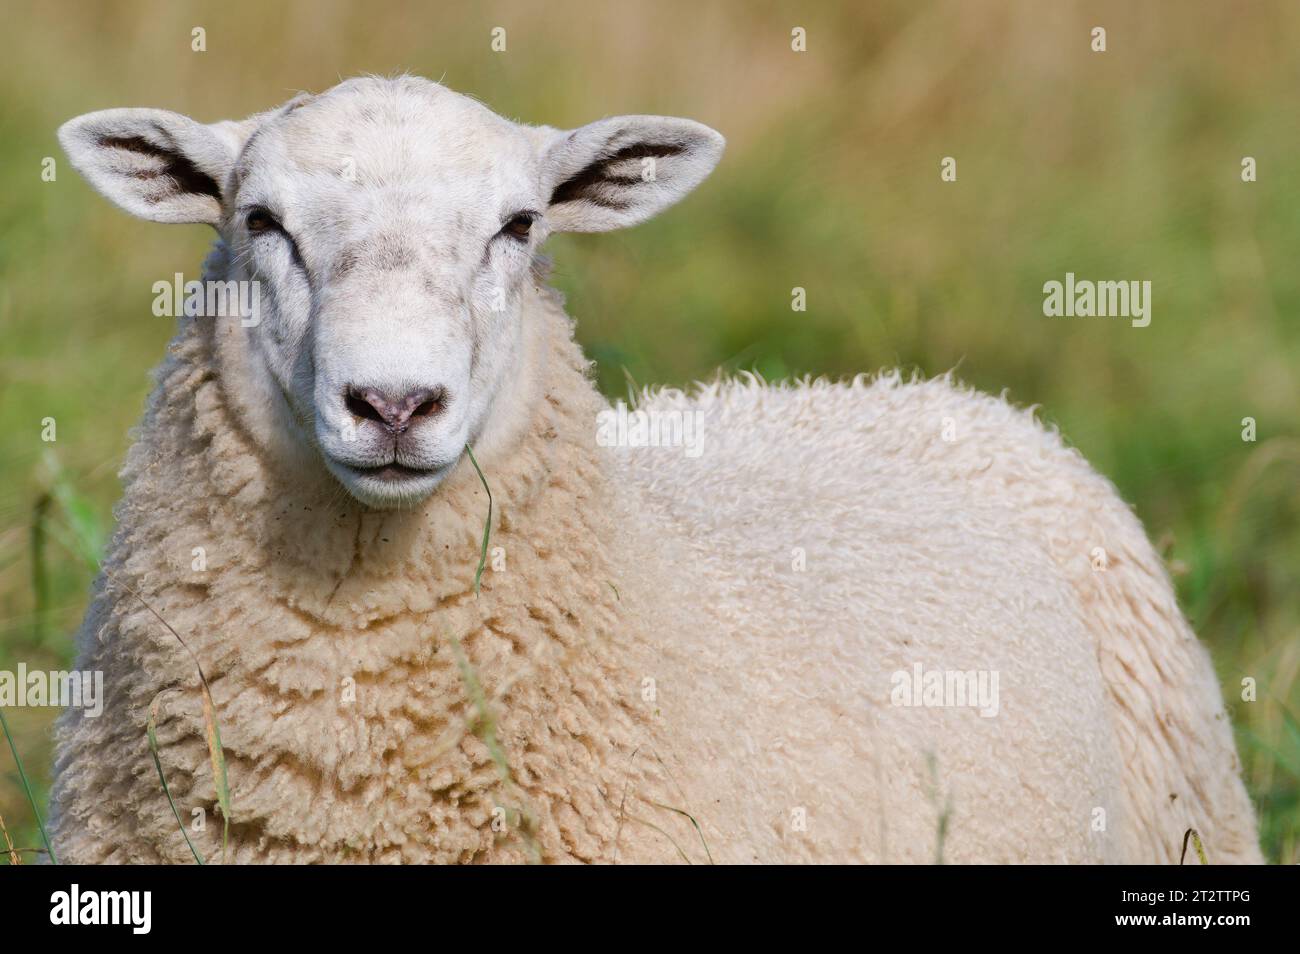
[(879, 620)]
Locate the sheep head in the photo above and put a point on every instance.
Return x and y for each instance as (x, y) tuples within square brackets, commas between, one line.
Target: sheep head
[(389, 228)]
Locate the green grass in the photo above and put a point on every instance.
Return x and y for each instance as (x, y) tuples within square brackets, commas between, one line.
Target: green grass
[(151, 730), (487, 521), (484, 727), (27, 789), (212, 729), (1117, 165)]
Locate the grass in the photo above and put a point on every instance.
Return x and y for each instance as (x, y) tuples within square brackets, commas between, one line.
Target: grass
[(1194, 837), (484, 726), (83, 537), (694, 824), (212, 729), (10, 850), (487, 522), (152, 732), (942, 807), (27, 790), (1117, 165)]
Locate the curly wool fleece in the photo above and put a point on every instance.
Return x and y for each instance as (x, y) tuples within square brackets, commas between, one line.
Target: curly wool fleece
[(650, 657)]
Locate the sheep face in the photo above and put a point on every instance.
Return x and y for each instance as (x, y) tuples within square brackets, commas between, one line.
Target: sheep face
[(389, 230)]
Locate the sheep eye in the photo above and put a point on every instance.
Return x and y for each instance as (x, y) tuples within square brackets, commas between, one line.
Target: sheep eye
[(519, 226), (260, 220)]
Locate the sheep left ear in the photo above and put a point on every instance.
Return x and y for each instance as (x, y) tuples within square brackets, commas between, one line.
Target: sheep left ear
[(621, 171), (155, 164)]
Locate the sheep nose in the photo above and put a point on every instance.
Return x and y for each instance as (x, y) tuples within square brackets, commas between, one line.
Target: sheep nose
[(396, 414)]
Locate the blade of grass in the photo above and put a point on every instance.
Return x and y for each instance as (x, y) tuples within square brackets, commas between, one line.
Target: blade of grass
[(708, 854), (150, 730), (215, 751), (485, 727), (31, 799), (40, 571), (632, 389), (487, 524), (88, 536), (9, 843), (942, 808), (668, 772), (1195, 837), (622, 804), (671, 840), (218, 756)]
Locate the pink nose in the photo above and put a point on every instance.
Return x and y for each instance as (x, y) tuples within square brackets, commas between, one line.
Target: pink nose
[(395, 414)]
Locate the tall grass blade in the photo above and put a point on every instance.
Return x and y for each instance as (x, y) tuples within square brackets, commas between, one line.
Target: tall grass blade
[(31, 799), (151, 731), (215, 751), (14, 858), (485, 727), (1195, 837), (88, 537), (671, 840), (708, 854), (40, 571), (487, 524)]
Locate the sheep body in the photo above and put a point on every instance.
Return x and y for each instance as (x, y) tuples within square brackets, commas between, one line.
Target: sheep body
[(935, 526), (649, 655)]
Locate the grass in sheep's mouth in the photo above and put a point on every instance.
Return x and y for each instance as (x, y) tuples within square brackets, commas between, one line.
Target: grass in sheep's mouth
[(487, 522)]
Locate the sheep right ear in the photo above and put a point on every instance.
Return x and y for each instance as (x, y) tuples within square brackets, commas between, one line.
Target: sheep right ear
[(617, 172), (155, 164)]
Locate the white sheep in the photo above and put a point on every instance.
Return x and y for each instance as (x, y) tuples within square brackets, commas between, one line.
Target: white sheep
[(882, 620)]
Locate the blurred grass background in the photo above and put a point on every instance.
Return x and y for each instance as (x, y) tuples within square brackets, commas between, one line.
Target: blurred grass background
[(1117, 165)]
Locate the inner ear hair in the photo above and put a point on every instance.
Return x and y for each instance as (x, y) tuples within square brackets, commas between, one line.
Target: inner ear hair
[(586, 184), (186, 177)]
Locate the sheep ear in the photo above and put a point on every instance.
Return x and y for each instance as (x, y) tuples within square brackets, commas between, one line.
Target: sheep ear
[(157, 165), (621, 171)]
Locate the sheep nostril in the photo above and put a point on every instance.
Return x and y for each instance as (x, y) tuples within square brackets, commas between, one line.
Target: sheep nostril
[(362, 404), (396, 415), (430, 403)]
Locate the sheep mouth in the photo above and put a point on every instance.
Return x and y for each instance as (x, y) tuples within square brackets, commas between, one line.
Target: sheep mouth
[(388, 485), (394, 472)]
